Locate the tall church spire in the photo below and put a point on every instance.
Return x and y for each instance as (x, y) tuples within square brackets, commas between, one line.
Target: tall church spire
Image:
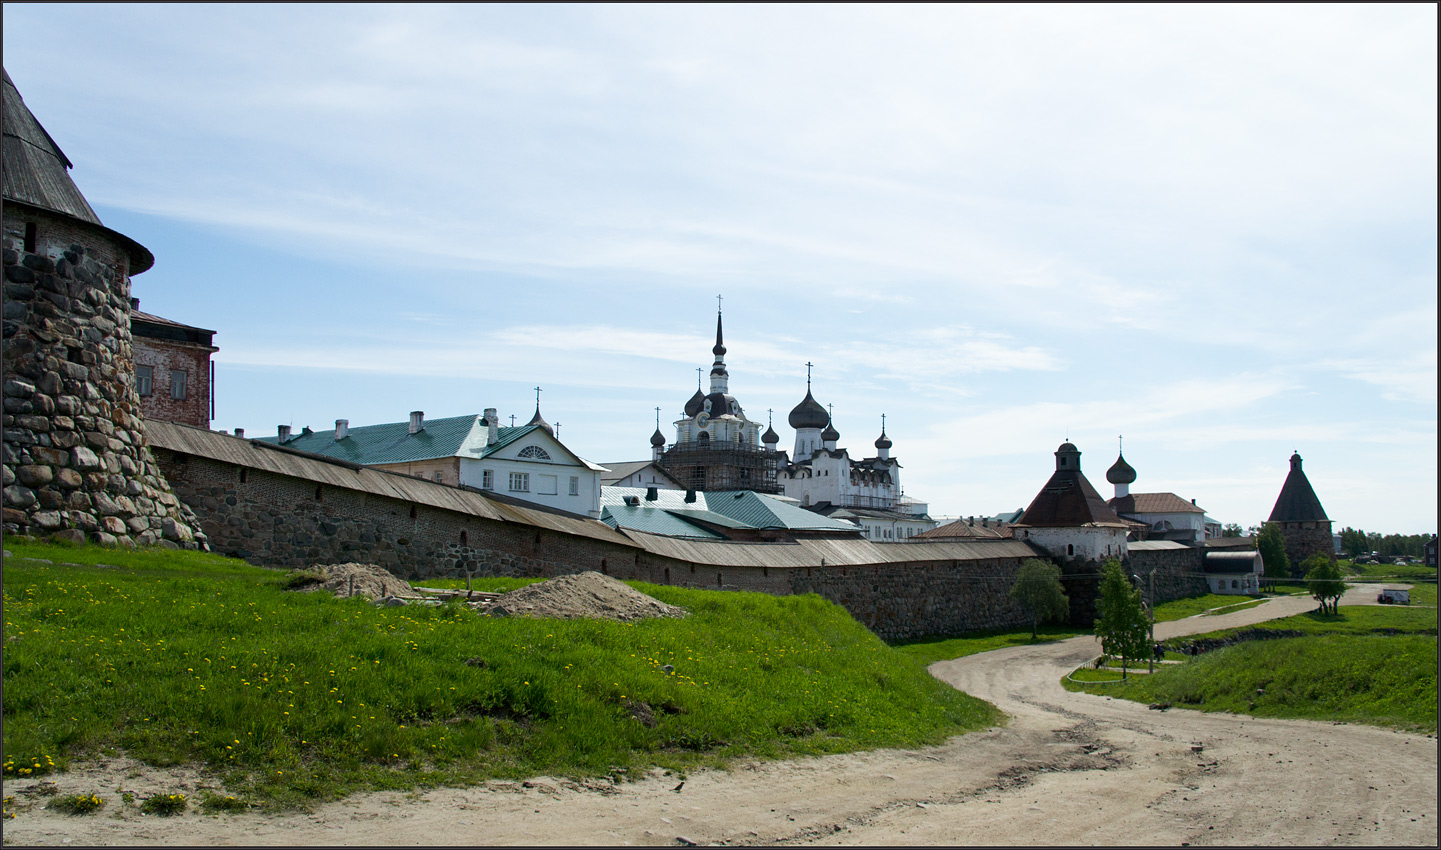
[(719, 379)]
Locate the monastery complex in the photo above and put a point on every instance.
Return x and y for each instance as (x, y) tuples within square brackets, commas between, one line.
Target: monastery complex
[(107, 439)]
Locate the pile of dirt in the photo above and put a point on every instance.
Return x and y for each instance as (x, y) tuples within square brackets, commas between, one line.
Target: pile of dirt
[(588, 594), (345, 580)]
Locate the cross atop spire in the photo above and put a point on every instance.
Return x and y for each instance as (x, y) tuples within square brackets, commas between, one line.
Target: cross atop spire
[(698, 370), (537, 397), (883, 423), (657, 419), (770, 416), (808, 375)]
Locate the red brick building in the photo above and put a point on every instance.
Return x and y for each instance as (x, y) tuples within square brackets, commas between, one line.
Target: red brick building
[(173, 373)]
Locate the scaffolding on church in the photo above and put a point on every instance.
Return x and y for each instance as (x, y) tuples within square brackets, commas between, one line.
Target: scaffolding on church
[(715, 465)]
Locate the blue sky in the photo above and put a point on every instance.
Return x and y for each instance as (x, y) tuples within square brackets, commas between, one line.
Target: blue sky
[(1212, 230)]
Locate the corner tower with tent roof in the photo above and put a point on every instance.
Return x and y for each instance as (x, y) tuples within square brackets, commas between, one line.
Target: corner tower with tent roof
[(76, 460), (1303, 521), (716, 446)]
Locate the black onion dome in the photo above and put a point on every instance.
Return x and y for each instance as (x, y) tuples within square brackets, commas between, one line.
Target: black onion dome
[(695, 404), (809, 414), (830, 434), (770, 437), (883, 442), (537, 419), (657, 439), (1121, 472)]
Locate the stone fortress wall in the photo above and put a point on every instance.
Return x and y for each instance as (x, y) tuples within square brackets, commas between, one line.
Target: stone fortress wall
[(74, 450), (308, 514)]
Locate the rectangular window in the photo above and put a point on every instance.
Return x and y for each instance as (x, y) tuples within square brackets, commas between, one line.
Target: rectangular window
[(177, 384), (435, 477), (575, 485), (546, 485), (487, 479), (520, 482), (145, 380)]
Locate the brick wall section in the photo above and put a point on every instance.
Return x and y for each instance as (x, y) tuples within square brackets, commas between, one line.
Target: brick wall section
[(163, 356), (76, 462)]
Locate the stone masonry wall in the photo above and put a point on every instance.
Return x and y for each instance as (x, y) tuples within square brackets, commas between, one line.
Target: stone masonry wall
[(1179, 573), (277, 520), (282, 521), (75, 457), (1304, 539), (903, 601)]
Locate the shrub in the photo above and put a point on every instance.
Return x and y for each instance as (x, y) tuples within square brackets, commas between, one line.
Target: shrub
[(77, 804), (164, 805)]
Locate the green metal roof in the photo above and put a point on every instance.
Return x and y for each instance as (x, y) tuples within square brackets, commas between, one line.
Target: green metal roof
[(759, 511), (731, 509), (652, 520), (457, 436)]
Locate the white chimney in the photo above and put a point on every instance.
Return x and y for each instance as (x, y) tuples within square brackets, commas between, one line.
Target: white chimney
[(284, 433), (417, 421), (342, 429), (240, 432), (492, 421)]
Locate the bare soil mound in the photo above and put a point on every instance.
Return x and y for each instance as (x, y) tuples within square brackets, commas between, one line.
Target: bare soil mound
[(588, 594), (344, 580)]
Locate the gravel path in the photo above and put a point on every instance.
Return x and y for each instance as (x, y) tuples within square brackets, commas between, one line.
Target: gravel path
[(1067, 769)]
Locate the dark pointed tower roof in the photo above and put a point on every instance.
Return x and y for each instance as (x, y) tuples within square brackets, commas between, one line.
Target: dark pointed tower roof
[(1121, 472), (830, 434), (657, 439), (1298, 502), (537, 419), (719, 350), (770, 437), (883, 442), (1068, 499), (37, 174)]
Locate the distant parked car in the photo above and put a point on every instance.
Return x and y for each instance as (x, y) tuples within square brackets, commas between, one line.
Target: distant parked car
[(1394, 596)]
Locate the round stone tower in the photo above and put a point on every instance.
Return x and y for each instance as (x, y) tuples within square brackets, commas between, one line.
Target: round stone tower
[(76, 462)]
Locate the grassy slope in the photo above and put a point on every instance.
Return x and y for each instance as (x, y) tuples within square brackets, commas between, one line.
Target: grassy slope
[(185, 657), (930, 650), (1346, 668)]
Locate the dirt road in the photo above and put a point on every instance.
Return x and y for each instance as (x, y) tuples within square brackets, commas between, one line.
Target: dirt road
[(1068, 769)]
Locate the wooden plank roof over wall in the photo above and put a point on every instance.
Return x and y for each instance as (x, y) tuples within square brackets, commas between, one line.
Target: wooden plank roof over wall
[(812, 552), (186, 439)]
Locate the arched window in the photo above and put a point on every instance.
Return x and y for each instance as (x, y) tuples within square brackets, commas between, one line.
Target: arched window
[(1234, 585), (1070, 549), (536, 452)]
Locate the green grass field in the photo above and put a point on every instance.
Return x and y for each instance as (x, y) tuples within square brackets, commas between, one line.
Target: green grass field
[(930, 650), (184, 657), (1365, 665)]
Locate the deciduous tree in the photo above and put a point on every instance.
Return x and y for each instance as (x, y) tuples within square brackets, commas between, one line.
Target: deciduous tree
[(1323, 577), (1038, 589), (1272, 544), (1121, 623)]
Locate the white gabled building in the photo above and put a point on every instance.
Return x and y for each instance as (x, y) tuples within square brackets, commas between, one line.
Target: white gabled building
[(526, 462)]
